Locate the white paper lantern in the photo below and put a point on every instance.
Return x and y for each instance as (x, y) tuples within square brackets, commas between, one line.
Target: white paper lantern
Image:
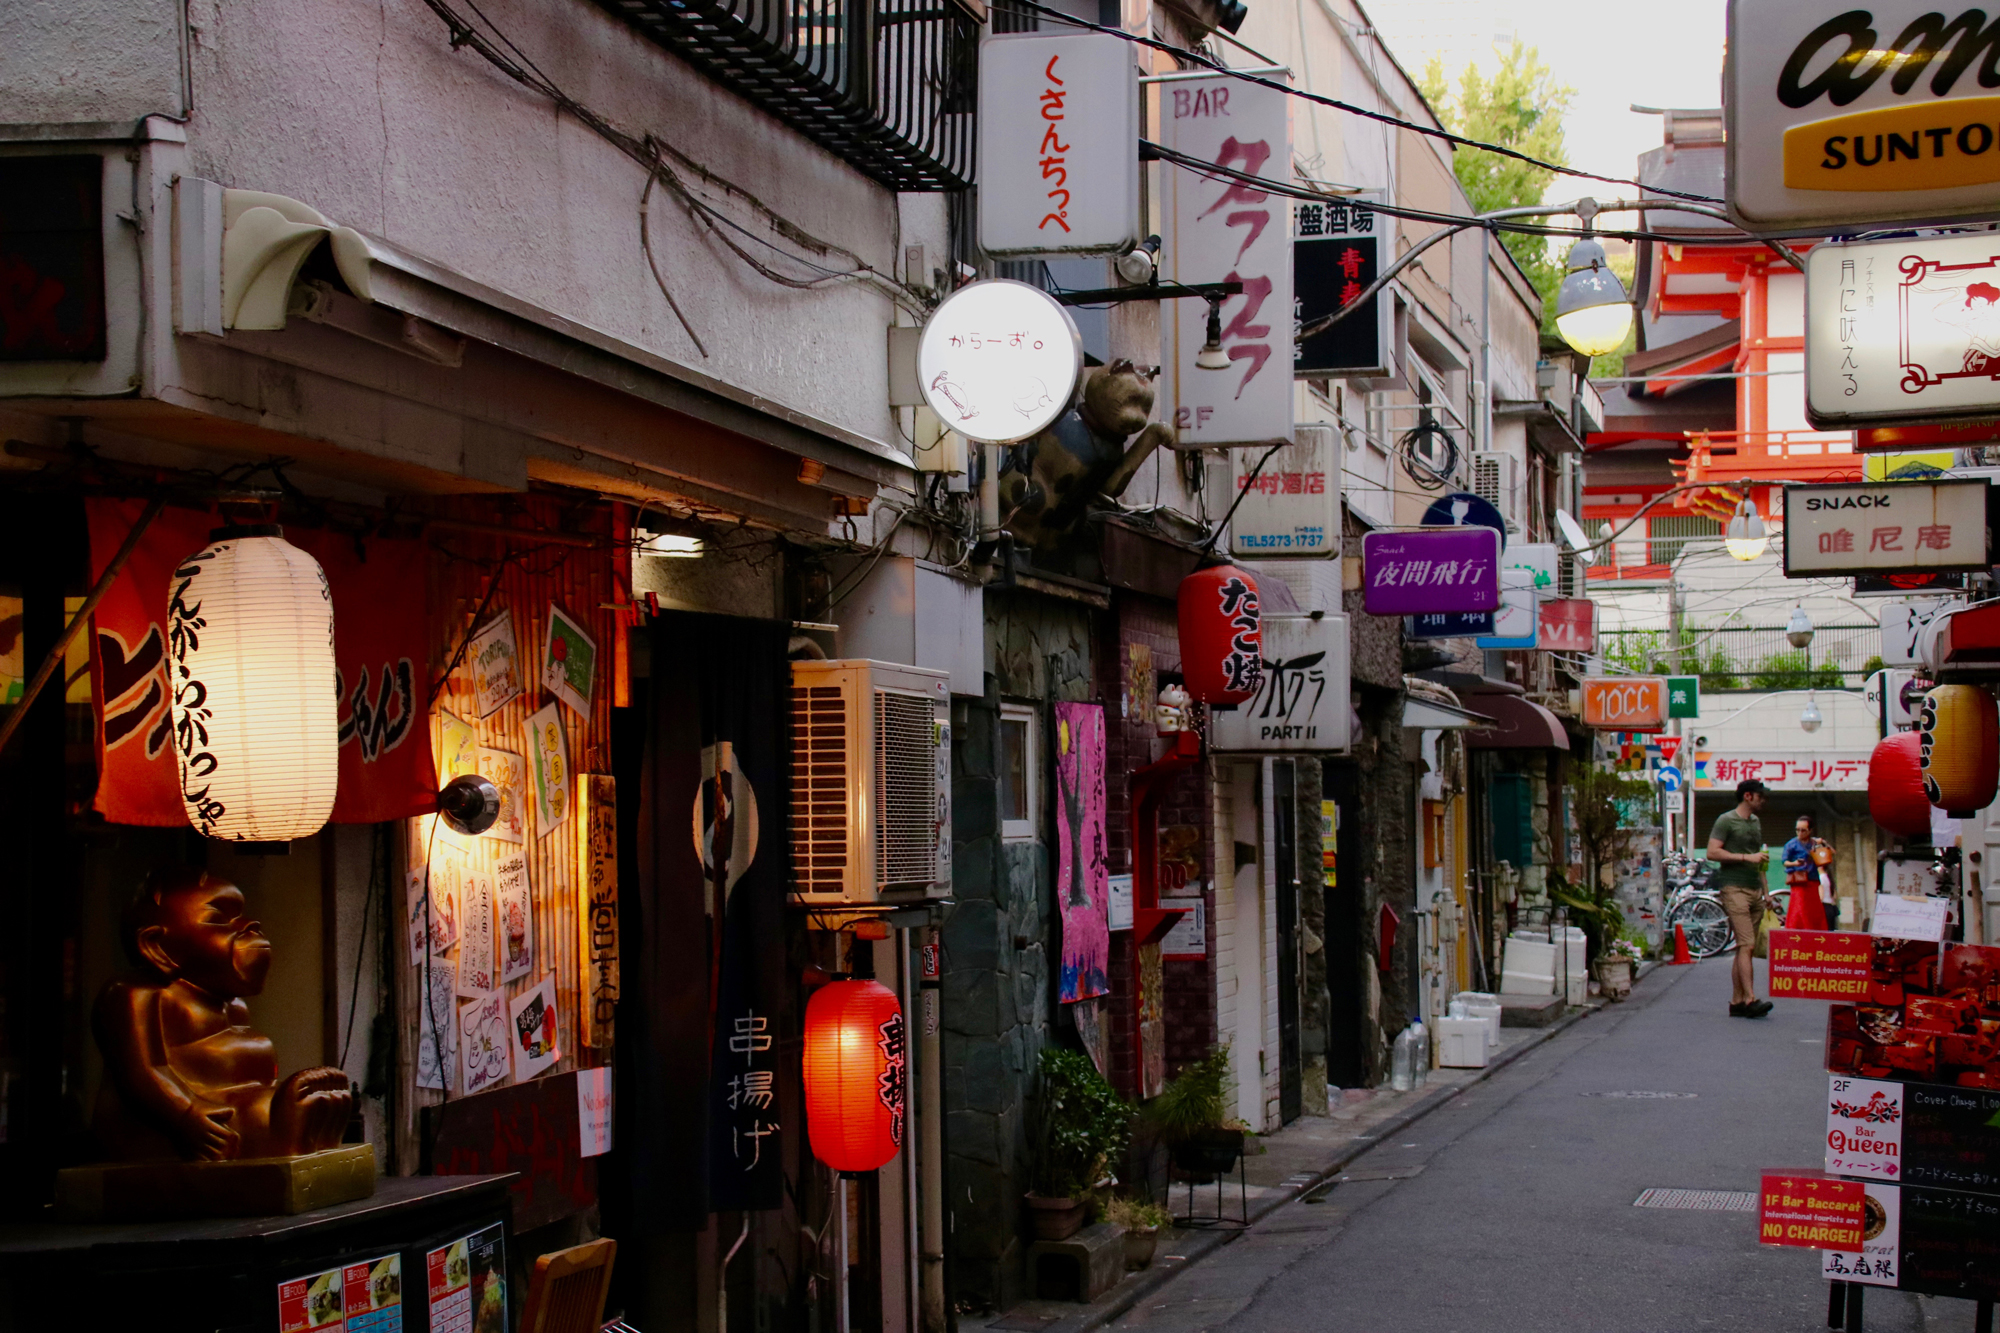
[(256, 710)]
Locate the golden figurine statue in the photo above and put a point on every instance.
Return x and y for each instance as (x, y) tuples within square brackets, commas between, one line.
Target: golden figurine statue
[(188, 1081)]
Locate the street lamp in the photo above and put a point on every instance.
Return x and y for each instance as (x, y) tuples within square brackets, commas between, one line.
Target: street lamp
[(1799, 629), (1593, 313), (1745, 536), (1810, 719), (1211, 356)]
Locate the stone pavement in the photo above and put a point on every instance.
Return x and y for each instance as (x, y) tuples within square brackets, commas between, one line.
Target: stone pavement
[(1278, 1168)]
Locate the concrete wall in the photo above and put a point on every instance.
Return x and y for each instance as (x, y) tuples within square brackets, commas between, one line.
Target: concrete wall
[(74, 61)]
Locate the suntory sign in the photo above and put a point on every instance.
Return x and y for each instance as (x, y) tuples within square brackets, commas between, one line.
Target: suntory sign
[(1841, 113)]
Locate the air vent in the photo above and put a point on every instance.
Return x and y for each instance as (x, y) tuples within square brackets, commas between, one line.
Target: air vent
[(905, 790), (819, 788)]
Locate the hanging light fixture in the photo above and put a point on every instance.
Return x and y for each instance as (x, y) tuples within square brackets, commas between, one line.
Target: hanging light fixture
[(470, 804), (1211, 356), (1959, 727), (1222, 638), (1799, 629), (1745, 537), (1593, 313), (856, 1075), (1809, 720), (256, 717)]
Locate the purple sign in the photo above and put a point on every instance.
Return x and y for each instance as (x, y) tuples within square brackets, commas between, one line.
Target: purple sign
[(1438, 569)]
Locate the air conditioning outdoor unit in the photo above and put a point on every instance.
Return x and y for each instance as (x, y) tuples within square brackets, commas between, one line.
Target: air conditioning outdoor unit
[(871, 783), (1496, 479)]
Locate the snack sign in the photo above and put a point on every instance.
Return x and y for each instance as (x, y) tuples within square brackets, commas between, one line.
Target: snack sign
[(1841, 114)]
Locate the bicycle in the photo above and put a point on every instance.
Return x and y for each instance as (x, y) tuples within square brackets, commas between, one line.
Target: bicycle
[(1694, 901)]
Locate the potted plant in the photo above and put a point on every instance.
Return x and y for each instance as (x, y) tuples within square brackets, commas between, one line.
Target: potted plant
[(1080, 1126), (1192, 1117), (1142, 1221), (1616, 966)]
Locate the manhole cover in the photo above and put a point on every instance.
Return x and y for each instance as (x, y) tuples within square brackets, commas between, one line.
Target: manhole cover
[(1705, 1201), (1642, 1095)]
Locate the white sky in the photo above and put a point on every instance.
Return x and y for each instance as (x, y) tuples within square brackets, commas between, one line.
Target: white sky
[(1613, 52)]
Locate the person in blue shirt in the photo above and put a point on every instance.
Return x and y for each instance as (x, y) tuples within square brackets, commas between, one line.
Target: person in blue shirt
[(1805, 875)]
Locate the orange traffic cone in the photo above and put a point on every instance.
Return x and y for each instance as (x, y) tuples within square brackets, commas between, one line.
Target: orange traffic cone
[(1681, 954)]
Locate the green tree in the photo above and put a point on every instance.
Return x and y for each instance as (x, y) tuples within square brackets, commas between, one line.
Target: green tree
[(1520, 106)]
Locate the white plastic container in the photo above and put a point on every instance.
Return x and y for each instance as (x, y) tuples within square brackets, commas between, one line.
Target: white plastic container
[(1462, 1043), (1528, 967), (1404, 1060), (1484, 1006), (1576, 975)]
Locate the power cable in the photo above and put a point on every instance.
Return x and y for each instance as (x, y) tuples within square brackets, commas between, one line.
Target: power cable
[(1456, 140)]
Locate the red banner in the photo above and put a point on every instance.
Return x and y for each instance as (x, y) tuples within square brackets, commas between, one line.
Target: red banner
[(1821, 964), (1810, 1211), (379, 634)]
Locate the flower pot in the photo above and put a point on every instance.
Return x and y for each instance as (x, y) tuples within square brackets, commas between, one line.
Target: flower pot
[(1615, 975), (1056, 1219), (1208, 1152), (1139, 1245)]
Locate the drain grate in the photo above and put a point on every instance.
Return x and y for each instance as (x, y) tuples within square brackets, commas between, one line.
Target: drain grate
[(1642, 1095), (1705, 1201)]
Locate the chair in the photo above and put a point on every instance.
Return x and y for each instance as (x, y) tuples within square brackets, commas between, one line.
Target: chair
[(566, 1293)]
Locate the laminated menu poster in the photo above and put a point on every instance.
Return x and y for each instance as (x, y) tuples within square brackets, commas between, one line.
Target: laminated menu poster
[(517, 917), (466, 1282), (548, 763), (1932, 1016), (569, 662), (311, 1304), (534, 1029), (437, 1032), (374, 1295), (1876, 1262), (508, 772), (496, 667), (478, 970)]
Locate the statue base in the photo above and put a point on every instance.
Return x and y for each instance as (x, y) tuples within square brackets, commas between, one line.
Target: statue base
[(254, 1187)]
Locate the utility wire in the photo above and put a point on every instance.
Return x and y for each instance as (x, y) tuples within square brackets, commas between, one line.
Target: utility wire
[(1456, 140)]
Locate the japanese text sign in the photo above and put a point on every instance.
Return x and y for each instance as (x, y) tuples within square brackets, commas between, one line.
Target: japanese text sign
[(1784, 770), (1683, 696), (1820, 964), (1221, 229), (1810, 1211), (1303, 699), (1859, 528), (1329, 273), (1625, 703), (1292, 505), (1567, 625), (1451, 625), (1840, 115), (1058, 145), (1864, 1126), (1527, 570), (1903, 331), (1436, 569), (999, 360), (1900, 918)]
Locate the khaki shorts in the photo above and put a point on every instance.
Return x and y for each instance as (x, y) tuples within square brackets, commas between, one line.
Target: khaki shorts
[(1744, 907)]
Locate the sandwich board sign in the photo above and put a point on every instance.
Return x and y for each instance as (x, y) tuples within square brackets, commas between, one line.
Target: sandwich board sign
[(1840, 115)]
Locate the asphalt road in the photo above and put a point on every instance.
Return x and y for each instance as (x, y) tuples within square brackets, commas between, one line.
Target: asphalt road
[(1511, 1207)]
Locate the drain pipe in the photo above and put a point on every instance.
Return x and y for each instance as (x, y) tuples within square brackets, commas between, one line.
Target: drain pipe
[(930, 1130), (722, 1279)]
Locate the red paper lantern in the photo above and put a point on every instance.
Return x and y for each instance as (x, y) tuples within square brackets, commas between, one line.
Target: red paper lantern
[(1222, 645), (1959, 731), (856, 1075), (1896, 797)]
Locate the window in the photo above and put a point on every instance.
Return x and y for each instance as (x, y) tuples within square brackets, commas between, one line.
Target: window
[(1020, 762), (1668, 534)]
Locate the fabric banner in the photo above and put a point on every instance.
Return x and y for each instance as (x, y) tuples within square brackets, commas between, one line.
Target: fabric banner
[(379, 652), (1083, 880), (707, 1004)]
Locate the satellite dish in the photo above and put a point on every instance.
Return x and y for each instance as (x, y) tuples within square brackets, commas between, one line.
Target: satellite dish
[(1572, 531)]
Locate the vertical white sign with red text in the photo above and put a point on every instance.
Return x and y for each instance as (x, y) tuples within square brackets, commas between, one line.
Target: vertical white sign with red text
[(1058, 145), (1220, 229)]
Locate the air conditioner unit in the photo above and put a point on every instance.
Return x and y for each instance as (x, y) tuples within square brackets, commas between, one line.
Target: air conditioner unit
[(1496, 478), (871, 783)]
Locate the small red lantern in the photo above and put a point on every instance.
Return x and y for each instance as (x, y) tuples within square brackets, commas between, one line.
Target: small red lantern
[(1222, 645), (1896, 797), (856, 1075), (1959, 729)]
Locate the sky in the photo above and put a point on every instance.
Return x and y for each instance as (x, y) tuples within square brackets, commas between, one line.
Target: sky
[(1614, 53)]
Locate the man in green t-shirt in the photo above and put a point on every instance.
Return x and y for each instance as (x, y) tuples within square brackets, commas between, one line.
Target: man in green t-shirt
[(1737, 844)]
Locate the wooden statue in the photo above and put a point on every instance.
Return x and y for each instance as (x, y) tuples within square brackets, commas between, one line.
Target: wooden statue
[(186, 1076), (1051, 481)]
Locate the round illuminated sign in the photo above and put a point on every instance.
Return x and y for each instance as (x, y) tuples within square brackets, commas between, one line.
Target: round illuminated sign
[(999, 361)]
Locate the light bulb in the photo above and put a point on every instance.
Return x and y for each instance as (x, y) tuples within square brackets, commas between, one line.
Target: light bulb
[(1593, 313), (1799, 629), (1745, 538), (1211, 356), (1810, 719), (1595, 330)]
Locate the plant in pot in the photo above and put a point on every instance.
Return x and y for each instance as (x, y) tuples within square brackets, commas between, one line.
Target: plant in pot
[(1192, 1117), (1142, 1221), (1080, 1126), (1617, 964)]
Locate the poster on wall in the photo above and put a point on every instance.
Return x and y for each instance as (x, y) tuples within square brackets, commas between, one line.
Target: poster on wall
[(508, 772), (373, 1295), (432, 918), (1083, 890), (496, 666), (437, 1029), (548, 761), (517, 917), (458, 747), (483, 1044), (312, 1304), (569, 662), (478, 974), (533, 1016), (466, 1282)]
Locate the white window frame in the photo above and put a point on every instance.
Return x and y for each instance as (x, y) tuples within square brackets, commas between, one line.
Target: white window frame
[(1022, 830)]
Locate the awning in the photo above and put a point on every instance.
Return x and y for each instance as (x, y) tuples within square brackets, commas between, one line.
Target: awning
[(1429, 715), (1518, 724)]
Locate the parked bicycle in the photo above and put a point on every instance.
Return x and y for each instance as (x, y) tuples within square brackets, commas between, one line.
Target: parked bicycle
[(1694, 902)]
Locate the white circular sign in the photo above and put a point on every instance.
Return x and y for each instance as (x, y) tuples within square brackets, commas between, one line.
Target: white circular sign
[(999, 360)]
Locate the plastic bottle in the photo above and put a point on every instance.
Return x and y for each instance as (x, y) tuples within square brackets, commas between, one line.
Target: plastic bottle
[(1422, 1054), (1403, 1061)]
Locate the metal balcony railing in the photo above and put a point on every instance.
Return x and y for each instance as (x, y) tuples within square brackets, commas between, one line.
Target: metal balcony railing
[(1759, 657), (888, 86)]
